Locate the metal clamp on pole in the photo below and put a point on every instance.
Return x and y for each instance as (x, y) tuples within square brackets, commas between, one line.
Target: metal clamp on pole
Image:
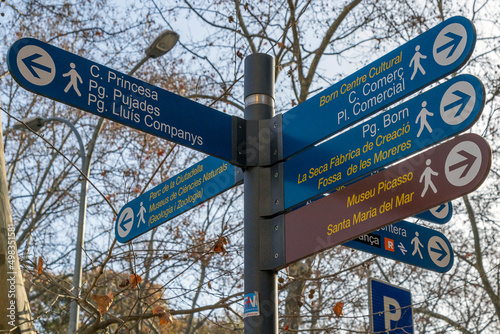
[(272, 243), (272, 200)]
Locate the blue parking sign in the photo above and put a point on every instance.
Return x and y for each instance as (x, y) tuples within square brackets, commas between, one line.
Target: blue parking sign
[(390, 307)]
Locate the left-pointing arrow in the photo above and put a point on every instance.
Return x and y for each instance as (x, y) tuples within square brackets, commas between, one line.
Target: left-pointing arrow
[(31, 65), (125, 222)]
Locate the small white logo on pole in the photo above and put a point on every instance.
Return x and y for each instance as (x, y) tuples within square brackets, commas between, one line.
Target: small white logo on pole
[(463, 163), (36, 65), (251, 306)]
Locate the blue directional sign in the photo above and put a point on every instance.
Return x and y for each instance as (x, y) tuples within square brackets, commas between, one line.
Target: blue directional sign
[(441, 214), (429, 118), (180, 193), (390, 308), (417, 63), (81, 83), (408, 243)]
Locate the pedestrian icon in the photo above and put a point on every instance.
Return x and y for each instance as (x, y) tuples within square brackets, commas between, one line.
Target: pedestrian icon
[(417, 244), (422, 117), (74, 77), (142, 210), (415, 61), (426, 177)]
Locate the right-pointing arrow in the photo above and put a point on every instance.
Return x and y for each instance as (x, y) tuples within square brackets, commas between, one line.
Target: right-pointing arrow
[(455, 41), (31, 65), (467, 162), (441, 251), (462, 102)]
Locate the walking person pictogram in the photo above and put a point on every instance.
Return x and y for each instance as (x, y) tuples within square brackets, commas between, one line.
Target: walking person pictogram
[(416, 62), (422, 117), (142, 210), (426, 177), (417, 244), (74, 77)]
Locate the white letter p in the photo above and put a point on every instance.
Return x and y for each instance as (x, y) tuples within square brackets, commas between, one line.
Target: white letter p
[(389, 315)]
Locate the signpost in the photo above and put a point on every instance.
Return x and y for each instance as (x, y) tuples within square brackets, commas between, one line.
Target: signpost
[(81, 83), (410, 67), (408, 243), (429, 118), (180, 193), (390, 308), (424, 181)]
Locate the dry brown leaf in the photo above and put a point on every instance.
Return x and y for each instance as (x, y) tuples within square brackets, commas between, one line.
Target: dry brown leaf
[(164, 316), (124, 283), (134, 280), (158, 309), (338, 309), (40, 265), (103, 302), (219, 246)]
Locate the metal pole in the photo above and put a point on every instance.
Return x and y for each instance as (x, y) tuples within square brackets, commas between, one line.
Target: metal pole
[(260, 284), (80, 239)]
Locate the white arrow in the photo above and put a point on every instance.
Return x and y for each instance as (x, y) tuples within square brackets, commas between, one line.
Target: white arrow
[(125, 222), (439, 251)]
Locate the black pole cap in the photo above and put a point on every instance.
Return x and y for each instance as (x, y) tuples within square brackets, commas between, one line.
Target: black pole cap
[(259, 74)]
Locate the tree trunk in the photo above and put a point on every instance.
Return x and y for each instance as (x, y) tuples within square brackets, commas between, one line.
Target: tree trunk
[(15, 311)]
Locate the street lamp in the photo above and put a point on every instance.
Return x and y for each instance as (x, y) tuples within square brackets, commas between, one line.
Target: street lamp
[(36, 124), (161, 45)]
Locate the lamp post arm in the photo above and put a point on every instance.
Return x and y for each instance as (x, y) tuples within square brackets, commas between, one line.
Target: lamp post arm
[(78, 137), (139, 64)]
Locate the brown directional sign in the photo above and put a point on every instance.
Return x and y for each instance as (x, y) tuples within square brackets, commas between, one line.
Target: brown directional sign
[(435, 176)]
